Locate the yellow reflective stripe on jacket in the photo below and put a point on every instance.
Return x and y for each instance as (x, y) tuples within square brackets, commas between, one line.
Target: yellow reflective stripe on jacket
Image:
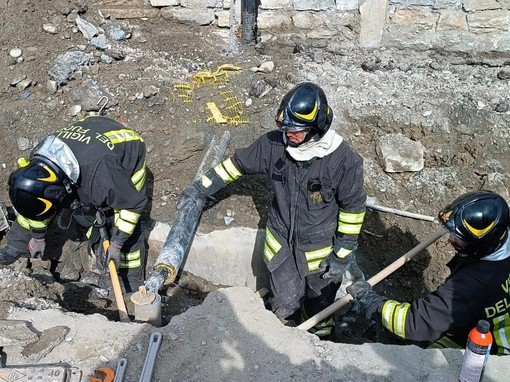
[(123, 135), (350, 223), (130, 260), (31, 224), (394, 316), (126, 220), (271, 245), (443, 343), (314, 258), (139, 177), (227, 171), (501, 333)]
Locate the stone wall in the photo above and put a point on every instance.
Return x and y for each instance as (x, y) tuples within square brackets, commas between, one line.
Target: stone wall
[(450, 25)]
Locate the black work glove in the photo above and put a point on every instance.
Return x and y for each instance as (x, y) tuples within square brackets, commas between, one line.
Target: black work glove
[(335, 266), (192, 192), (36, 247), (365, 300), (112, 253)]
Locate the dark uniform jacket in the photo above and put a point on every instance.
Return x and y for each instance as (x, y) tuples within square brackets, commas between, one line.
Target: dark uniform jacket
[(112, 170), (314, 202), (475, 290)]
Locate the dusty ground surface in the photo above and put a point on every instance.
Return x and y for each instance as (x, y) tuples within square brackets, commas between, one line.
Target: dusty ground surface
[(456, 106)]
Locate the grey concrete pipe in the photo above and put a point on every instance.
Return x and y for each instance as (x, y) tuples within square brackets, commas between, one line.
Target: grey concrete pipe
[(180, 235)]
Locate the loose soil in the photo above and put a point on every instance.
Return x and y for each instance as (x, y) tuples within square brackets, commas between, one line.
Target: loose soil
[(455, 105)]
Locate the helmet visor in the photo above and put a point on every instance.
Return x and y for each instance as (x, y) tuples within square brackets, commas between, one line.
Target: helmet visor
[(288, 126)]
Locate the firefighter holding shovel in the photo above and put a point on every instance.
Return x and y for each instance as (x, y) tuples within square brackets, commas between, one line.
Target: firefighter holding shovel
[(477, 288), (96, 165)]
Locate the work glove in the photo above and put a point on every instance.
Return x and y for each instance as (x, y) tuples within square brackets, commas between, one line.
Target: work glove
[(112, 253), (337, 263), (36, 247), (365, 300), (192, 192)]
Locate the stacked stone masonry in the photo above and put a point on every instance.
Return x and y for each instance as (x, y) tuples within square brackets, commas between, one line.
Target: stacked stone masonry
[(451, 25)]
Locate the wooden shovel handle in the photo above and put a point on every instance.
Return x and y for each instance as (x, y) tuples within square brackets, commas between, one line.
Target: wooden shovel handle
[(119, 297), (323, 314)]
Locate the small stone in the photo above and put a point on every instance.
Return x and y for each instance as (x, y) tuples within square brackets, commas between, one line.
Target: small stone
[(503, 75), (51, 86), (427, 113), (50, 28), (15, 52), (75, 110), (20, 60), (502, 107)]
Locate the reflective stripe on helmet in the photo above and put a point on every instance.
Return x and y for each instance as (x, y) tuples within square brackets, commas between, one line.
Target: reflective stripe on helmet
[(31, 224)]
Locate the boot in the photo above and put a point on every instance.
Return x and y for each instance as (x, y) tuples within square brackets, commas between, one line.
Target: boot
[(9, 254)]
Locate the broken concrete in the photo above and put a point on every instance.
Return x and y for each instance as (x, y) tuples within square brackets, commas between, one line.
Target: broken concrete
[(232, 337)]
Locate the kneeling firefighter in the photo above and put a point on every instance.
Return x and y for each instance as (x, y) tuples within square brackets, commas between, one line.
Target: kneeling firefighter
[(94, 165), (318, 206)]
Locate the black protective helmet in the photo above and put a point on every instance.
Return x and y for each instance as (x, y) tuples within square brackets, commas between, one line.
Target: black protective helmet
[(38, 189), (305, 107), (479, 218)]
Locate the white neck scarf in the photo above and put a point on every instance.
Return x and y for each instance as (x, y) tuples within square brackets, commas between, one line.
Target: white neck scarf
[(315, 149), (502, 253)]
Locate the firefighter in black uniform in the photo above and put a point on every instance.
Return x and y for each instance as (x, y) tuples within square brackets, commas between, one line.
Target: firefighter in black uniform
[(318, 206), (477, 288), (94, 165)]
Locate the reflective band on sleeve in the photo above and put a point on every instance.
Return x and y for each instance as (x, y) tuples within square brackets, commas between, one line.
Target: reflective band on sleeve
[(271, 245), (126, 221), (231, 169), (350, 223), (314, 258), (227, 171), (394, 316), (348, 217), (501, 333), (129, 216), (349, 229), (31, 224), (139, 177), (123, 135)]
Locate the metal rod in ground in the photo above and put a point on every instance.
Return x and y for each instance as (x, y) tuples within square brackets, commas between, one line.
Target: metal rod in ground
[(249, 20), (181, 233), (323, 314), (371, 204)]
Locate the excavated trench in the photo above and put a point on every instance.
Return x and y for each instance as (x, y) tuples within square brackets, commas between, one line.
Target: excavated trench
[(208, 266)]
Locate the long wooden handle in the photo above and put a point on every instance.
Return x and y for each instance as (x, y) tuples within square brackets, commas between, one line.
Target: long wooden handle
[(119, 298), (323, 314)]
